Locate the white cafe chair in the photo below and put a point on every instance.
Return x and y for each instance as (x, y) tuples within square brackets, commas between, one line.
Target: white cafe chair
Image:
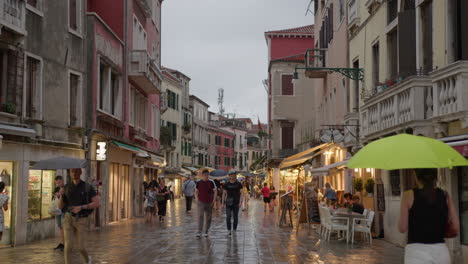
[(338, 224), (363, 226)]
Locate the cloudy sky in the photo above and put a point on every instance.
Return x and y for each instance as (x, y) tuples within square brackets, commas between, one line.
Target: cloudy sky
[(221, 44)]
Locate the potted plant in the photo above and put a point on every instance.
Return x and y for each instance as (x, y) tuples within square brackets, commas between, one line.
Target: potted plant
[(9, 108), (357, 184), (370, 187), (390, 82), (379, 87)]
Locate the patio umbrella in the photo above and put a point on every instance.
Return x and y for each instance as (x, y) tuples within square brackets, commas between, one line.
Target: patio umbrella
[(407, 152), (218, 173), (59, 163)]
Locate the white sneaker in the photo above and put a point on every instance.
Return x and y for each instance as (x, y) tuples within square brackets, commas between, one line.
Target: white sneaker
[(206, 234), (198, 234)]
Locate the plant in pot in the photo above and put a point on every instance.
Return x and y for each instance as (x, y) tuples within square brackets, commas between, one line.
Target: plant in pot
[(8, 108), (358, 184), (379, 87), (370, 187)]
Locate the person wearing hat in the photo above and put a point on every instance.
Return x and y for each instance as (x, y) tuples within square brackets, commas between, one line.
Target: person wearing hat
[(189, 189), (231, 199)]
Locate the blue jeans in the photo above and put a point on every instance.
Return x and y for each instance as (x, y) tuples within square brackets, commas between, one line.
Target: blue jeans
[(235, 210)]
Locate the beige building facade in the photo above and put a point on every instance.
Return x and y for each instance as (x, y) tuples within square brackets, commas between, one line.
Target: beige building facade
[(414, 56)]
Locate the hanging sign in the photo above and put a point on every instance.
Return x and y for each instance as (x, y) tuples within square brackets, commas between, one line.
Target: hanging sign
[(101, 151)]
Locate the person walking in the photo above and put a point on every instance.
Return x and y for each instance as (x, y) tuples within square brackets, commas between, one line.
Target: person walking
[(162, 195), (170, 189), (231, 200), (245, 196), (79, 199), (256, 191), (59, 218), (426, 213), (273, 195), (151, 203), (3, 207), (189, 189), (266, 196), (205, 193)]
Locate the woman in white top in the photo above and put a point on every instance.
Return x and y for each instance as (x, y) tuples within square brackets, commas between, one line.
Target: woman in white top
[(3, 204)]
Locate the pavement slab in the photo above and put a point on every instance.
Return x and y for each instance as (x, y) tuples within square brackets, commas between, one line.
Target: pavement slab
[(259, 239)]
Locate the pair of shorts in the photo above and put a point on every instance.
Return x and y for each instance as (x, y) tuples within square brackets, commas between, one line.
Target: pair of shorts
[(59, 220), (150, 209), (266, 199)]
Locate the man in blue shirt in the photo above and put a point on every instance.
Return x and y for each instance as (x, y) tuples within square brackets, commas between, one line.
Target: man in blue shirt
[(188, 189), (330, 194)]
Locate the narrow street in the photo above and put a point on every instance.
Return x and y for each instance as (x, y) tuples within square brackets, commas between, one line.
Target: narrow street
[(259, 240)]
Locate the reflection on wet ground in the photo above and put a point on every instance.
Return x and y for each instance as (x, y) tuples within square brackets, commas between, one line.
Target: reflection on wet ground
[(258, 240)]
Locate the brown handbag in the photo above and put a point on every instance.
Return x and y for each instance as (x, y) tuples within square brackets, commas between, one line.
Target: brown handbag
[(450, 231)]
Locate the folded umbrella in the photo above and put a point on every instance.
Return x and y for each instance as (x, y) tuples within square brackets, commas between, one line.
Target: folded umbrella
[(59, 163), (407, 152)]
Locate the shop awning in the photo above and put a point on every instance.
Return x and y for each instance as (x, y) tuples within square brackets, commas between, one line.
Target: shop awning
[(132, 149), (17, 131), (325, 170), (306, 152), (301, 158), (459, 143), (191, 169), (157, 159)]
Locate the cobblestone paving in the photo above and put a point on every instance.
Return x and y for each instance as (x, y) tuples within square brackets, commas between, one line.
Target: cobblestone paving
[(258, 240)]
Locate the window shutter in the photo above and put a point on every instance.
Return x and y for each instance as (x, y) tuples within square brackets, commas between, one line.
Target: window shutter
[(287, 85), (73, 14), (407, 42)]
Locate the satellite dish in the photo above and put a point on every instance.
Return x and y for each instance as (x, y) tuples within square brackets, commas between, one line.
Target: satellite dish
[(337, 136)]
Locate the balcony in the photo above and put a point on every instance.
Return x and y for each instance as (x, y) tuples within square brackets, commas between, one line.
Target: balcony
[(144, 72), (353, 14), (372, 4), (451, 92), (13, 16), (397, 107), (283, 153), (351, 132)]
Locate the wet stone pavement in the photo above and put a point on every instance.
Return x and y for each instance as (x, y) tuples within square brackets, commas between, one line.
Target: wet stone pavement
[(258, 240)]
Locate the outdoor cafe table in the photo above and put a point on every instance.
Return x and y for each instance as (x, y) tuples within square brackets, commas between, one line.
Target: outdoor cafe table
[(343, 212)]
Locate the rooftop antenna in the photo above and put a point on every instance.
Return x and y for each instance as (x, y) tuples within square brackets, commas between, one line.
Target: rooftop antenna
[(221, 101)]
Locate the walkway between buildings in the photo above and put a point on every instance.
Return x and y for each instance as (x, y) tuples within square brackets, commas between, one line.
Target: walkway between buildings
[(258, 240)]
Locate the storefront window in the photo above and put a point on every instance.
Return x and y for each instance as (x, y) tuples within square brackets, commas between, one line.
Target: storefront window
[(6, 176), (40, 191)]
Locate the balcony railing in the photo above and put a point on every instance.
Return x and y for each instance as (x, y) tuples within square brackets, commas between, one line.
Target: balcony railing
[(450, 89), (408, 101), (283, 153), (315, 58), (353, 13), (144, 72), (13, 15)]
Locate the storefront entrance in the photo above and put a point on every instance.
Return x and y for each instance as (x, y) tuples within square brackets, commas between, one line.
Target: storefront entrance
[(119, 192), (6, 176)]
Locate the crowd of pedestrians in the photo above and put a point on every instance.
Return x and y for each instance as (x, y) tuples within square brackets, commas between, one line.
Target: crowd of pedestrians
[(230, 195)]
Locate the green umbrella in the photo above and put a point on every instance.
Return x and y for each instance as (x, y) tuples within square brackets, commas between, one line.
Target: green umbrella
[(407, 152)]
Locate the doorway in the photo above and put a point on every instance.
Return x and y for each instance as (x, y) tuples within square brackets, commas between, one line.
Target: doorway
[(119, 192)]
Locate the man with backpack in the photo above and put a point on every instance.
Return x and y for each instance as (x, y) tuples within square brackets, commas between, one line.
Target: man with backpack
[(205, 193), (78, 199), (188, 189)]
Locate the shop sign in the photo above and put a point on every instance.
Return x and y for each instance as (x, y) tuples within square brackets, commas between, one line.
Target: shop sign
[(462, 149), (101, 151)]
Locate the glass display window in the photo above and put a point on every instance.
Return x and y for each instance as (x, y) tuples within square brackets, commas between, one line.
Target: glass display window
[(7, 176), (40, 191)]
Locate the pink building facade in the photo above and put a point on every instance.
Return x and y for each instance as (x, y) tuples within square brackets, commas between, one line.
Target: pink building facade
[(124, 101)]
